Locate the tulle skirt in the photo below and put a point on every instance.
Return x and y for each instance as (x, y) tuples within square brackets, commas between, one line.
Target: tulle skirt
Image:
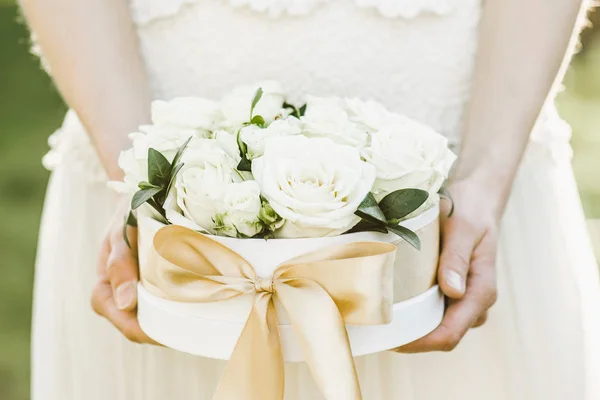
[(540, 341)]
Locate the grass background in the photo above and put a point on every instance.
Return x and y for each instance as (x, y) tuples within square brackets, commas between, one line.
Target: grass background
[(30, 110)]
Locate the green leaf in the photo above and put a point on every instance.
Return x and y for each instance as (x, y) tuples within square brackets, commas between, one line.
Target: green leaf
[(370, 211), (130, 220), (179, 153), (444, 193), (159, 209), (366, 226), (400, 203), (406, 234), (159, 168), (258, 120), (174, 173), (146, 185), (302, 110), (255, 100), (244, 164), (241, 145), (295, 111), (143, 196)]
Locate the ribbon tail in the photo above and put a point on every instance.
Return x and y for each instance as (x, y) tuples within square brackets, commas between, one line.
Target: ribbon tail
[(255, 370), (321, 332)]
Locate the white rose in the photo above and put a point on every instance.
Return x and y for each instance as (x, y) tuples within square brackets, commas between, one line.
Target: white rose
[(228, 142), (314, 184), (370, 114), (327, 117), (134, 162), (209, 194), (255, 136), (194, 113), (237, 104), (408, 154), (238, 214)]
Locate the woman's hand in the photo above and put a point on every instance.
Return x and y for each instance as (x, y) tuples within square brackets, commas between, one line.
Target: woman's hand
[(115, 295), (467, 267)]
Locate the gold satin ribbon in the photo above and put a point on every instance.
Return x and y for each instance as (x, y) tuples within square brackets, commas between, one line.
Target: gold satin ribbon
[(320, 291)]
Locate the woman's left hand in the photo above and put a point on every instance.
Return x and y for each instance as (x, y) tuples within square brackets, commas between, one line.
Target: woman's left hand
[(467, 267)]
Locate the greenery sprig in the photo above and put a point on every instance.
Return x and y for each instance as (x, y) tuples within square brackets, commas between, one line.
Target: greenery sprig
[(296, 112), (161, 177), (385, 216), (245, 164)]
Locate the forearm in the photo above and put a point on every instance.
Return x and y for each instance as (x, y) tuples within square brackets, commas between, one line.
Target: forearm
[(521, 49), (92, 50)]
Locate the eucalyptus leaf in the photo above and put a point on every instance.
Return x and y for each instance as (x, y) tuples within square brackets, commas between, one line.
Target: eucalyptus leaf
[(370, 211), (159, 168), (255, 100), (406, 234), (400, 203), (142, 196), (366, 226)]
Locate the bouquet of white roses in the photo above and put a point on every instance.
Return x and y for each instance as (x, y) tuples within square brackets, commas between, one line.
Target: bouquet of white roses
[(253, 165), (344, 190)]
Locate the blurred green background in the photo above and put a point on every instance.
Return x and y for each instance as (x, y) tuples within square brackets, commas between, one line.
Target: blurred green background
[(30, 110)]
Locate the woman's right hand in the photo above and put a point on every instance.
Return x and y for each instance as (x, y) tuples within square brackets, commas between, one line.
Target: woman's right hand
[(115, 294)]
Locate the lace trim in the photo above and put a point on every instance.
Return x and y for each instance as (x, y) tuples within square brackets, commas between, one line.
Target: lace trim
[(36, 50), (71, 146), (147, 11), (407, 8)]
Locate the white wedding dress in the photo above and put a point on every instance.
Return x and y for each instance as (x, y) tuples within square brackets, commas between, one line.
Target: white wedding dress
[(414, 56)]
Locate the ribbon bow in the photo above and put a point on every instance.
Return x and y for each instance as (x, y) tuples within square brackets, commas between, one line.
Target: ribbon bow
[(320, 291)]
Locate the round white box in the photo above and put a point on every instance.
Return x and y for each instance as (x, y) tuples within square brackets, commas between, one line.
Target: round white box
[(212, 329)]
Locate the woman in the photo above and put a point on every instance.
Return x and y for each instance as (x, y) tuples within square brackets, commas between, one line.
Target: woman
[(480, 72)]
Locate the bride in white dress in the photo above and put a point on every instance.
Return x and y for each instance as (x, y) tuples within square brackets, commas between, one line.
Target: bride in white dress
[(475, 70)]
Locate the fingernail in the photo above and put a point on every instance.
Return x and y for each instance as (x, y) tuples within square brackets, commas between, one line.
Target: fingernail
[(455, 281), (125, 295)]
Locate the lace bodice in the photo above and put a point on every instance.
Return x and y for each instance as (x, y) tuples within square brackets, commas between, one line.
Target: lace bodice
[(418, 61), (414, 56), (145, 11)]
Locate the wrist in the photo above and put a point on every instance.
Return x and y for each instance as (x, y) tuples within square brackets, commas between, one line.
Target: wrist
[(481, 192)]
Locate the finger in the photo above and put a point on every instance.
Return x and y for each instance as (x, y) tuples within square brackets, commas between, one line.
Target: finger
[(458, 241), (125, 321), (481, 320), (446, 208), (460, 315), (123, 274), (103, 259)]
